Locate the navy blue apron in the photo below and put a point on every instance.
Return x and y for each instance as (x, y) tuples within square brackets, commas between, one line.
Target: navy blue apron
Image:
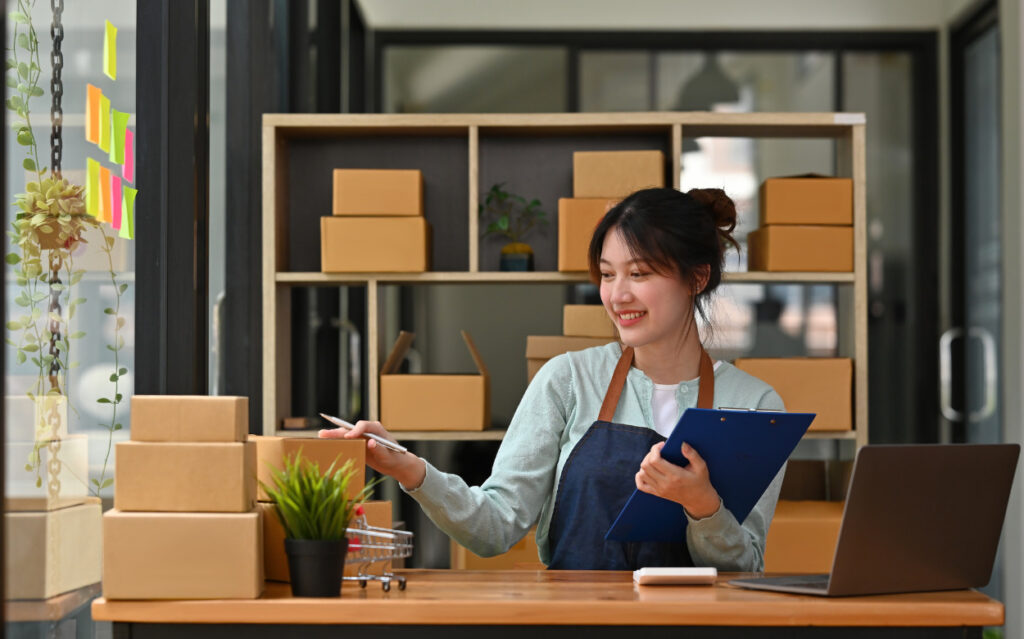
[(599, 477)]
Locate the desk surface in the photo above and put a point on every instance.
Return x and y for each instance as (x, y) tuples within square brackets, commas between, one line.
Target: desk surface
[(562, 598)]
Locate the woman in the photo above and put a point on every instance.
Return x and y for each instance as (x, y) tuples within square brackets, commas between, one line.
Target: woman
[(591, 424)]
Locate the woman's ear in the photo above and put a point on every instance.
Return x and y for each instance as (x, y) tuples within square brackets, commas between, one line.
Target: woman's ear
[(701, 275)]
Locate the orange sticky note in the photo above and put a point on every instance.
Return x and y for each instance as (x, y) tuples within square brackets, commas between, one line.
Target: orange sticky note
[(128, 214), (92, 113), (104, 141), (105, 205), (92, 187), (110, 51)]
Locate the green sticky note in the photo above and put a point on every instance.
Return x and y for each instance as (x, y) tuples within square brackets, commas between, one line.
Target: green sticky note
[(128, 213), (120, 126), (110, 51), (105, 124), (92, 187)]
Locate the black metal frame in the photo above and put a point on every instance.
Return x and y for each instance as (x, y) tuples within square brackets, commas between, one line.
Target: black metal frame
[(961, 36), (3, 365), (172, 246)]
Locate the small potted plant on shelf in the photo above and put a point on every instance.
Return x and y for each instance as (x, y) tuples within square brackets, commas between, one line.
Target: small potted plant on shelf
[(512, 217), (314, 508)]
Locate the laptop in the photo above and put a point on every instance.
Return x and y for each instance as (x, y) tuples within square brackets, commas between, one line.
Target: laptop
[(918, 517)]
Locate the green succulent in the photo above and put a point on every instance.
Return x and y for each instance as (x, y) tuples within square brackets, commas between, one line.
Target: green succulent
[(52, 214)]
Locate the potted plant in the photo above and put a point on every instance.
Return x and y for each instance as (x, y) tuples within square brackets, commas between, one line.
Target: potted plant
[(512, 217), (314, 509)]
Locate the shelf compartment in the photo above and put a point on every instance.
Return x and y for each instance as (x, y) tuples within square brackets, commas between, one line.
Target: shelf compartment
[(315, 278)]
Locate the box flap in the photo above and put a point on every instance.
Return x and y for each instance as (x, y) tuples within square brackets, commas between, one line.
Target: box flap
[(479, 361), (805, 176), (397, 353)]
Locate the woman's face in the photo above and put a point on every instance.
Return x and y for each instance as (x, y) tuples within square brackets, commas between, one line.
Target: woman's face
[(648, 308)]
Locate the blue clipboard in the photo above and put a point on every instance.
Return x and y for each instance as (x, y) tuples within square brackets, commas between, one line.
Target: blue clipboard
[(744, 450)]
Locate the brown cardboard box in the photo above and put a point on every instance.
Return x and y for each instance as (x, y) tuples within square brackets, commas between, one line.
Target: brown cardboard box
[(587, 320), (189, 418), (182, 555), (275, 560), (801, 248), (374, 244), (47, 553), (577, 219), (434, 402), (816, 480), (179, 477), (802, 536), (616, 173), (20, 490), (378, 192), (271, 451), (541, 348), (807, 199), (521, 556), (822, 385)]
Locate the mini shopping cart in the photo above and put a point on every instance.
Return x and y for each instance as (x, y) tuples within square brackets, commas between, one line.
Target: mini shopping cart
[(369, 545)]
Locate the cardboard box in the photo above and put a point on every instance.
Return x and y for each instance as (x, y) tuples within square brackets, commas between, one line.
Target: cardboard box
[(189, 418), (521, 556), (20, 490), (801, 248), (378, 192), (816, 480), (822, 385), (179, 477), (807, 199), (271, 451), (577, 219), (802, 536), (616, 173), (275, 560), (182, 555), (27, 419), (433, 402), (541, 348), (48, 553), (587, 320), (374, 244)]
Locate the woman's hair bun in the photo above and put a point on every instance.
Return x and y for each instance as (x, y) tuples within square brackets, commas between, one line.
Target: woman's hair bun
[(722, 208)]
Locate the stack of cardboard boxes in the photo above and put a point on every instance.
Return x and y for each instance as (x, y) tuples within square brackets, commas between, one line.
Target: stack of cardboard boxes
[(600, 180), (377, 225), (185, 523), (52, 531), (806, 225), (583, 326)]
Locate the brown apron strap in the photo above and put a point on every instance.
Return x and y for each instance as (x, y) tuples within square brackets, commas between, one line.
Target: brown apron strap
[(706, 392), (611, 397)]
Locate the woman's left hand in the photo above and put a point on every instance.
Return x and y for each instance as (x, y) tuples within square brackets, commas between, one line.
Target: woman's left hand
[(687, 485)]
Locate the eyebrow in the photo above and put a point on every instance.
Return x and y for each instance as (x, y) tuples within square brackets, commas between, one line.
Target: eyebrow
[(635, 260)]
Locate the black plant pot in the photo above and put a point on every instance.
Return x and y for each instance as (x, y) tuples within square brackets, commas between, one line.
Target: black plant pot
[(316, 566)]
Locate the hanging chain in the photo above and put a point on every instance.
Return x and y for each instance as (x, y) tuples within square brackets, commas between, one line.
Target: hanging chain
[(56, 85)]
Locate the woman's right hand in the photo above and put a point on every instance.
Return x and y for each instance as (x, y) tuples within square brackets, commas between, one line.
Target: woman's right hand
[(407, 468)]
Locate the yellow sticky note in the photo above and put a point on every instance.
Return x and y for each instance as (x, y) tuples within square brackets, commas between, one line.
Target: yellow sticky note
[(105, 207), (128, 213), (92, 187), (110, 51), (120, 126), (104, 124), (92, 113)]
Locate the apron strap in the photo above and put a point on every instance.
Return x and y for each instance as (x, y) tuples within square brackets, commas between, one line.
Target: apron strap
[(705, 392)]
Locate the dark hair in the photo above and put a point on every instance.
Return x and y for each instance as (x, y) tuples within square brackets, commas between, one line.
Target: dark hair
[(674, 233)]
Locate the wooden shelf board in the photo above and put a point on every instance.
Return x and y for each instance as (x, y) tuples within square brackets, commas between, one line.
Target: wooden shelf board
[(491, 434), (313, 278), (825, 434)]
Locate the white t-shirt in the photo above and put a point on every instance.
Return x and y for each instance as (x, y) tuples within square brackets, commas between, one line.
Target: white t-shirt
[(665, 407)]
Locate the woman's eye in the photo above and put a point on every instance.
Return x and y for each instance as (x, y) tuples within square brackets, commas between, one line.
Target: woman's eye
[(606, 276)]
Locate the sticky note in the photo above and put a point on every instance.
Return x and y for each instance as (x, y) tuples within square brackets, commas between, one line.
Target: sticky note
[(115, 199), (128, 217), (110, 51), (92, 113), (104, 215), (104, 142), (120, 124), (128, 168), (92, 187)]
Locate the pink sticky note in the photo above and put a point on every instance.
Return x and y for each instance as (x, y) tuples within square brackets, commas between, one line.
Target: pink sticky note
[(115, 199), (128, 168), (104, 215)]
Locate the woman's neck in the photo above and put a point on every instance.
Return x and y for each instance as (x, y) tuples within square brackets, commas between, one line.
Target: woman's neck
[(671, 363)]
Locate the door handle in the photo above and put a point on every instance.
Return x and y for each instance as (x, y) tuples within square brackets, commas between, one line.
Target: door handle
[(988, 346), (946, 374)]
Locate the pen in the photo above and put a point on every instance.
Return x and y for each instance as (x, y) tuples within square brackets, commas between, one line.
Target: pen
[(380, 440)]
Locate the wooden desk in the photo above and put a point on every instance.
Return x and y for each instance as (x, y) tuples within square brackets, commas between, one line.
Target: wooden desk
[(463, 604)]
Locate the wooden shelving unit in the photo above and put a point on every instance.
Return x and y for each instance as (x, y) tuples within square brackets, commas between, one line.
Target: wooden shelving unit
[(459, 155)]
